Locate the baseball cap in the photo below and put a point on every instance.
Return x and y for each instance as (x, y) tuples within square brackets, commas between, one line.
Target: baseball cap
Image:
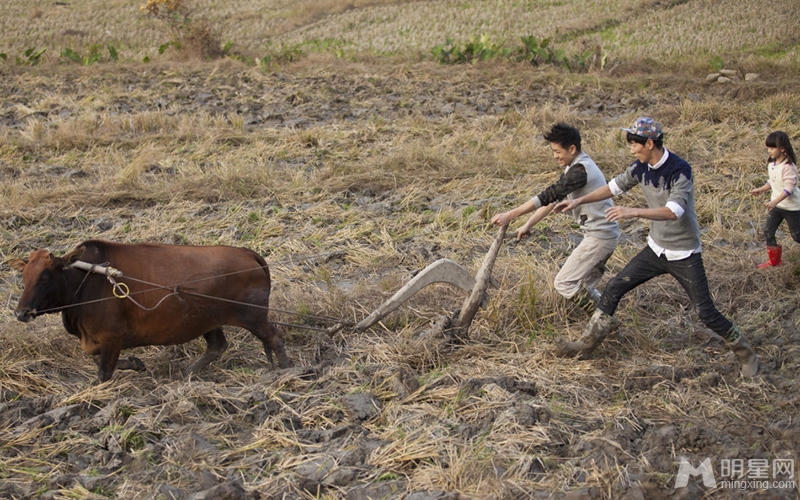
[(645, 127)]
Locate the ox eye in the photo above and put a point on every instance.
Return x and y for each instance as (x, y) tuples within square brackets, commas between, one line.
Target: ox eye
[(44, 278)]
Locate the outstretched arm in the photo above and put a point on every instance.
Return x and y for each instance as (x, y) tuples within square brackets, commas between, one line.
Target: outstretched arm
[(506, 217), (763, 189), (574, 178), (534, 219), (617, 213), (599, 194)]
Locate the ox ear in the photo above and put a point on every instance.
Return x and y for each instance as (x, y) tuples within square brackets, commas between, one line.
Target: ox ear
[(73, 255), (18, 264)]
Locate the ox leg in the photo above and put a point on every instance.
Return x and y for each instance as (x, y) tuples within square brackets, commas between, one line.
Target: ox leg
[(272, 338), (106, 363), (215, 346)]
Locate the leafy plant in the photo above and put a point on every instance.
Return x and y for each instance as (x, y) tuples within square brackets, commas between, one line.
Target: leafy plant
[(716, 63), (91, 58), (70, 54), (539, 52), (479, 48), (533, 50), (444, 52), (536, 51), (32, 57)]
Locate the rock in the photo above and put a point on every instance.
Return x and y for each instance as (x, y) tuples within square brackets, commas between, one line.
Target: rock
[(383, 489), (313, 472), (712, 77), (749, 77), (170, 492), (403, 383), (341, 477), (361, 406), (724, 79), (583, 494), (635, 493), (730, 73), (434, 495), (232, 490)]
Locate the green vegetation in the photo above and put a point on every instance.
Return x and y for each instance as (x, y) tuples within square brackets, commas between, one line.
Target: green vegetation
[(94, 55)]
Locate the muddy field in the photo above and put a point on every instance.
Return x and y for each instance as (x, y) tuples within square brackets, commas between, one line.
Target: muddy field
[(350, 179)]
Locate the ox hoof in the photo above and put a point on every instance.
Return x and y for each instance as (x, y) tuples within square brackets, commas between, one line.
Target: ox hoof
[(137, 364), (131, 363)]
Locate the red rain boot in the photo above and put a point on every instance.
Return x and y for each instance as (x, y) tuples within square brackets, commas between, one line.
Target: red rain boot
[(774, 257)]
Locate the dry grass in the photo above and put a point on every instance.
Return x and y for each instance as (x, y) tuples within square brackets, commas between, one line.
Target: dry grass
[(350, 177), (684, 35)]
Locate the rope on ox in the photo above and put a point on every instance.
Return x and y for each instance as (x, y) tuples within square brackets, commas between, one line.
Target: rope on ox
[(122, 291)]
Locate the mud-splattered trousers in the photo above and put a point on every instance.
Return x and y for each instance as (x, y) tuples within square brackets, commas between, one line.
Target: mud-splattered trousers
[(774, 219), (689, 272), (585, 266)]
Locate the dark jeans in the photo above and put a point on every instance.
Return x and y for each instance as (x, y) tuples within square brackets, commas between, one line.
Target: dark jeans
[(689, 272), (774, 219)]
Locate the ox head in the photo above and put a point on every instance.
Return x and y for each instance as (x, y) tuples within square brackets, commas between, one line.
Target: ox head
[(44, 286)]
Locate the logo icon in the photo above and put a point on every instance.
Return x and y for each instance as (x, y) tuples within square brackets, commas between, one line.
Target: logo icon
[(686, 470)]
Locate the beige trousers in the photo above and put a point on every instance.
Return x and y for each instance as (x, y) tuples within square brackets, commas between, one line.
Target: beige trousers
[(585, 266)]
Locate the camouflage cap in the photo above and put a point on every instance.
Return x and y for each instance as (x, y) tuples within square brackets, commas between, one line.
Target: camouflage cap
[(645, 127)]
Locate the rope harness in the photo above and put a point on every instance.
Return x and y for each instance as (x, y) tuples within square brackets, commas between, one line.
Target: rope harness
[(122, 291)]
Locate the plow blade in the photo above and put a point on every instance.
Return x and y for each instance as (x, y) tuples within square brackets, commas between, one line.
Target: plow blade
[(441, 271)]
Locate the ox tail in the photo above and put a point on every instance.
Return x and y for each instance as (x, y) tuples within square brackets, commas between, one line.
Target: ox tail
[(264, 266)]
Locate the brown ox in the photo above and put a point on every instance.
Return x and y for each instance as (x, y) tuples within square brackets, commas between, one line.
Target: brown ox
[(177, 293)]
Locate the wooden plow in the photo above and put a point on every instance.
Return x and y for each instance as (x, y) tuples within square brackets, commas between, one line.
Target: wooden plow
[(455, 327)]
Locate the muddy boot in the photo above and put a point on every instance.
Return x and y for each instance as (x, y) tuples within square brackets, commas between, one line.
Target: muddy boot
[(599, 326), (741, 347), (774, 254), (587, 299)]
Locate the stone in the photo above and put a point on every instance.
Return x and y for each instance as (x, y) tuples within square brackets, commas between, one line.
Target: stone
[(749, 77), (361, 406), (232, 490), (403, 383), (712, 77), (724, 79)]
